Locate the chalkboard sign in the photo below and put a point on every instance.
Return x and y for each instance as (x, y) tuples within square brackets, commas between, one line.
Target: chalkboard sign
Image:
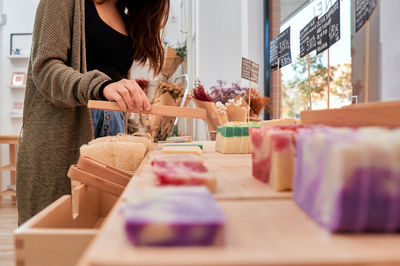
[(284, 42), (285, 60), (328, 28), (280, 46), (273, 55), (364, 10), (255, 72), (308, 38), (246, 68), (250, 70)]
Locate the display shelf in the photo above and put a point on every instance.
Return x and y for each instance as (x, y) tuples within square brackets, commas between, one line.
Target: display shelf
[(17, 87), (7, 168), (259, 231), (238, 186), (16, 116), (8, 192), (18, 57), (384, 114)]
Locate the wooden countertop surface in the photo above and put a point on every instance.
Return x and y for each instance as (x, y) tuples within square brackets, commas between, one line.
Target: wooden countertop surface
[(263, 228)]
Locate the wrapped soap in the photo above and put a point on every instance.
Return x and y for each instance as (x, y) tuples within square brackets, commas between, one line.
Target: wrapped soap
[(348, 180), (173, 216)]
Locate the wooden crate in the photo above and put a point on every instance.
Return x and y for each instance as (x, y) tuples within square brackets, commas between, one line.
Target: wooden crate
[(59, 234)]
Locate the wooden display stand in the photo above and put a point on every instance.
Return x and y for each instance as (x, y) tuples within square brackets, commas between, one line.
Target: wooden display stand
[(12, 141), (59, 234), (384, 114), (263, 227)]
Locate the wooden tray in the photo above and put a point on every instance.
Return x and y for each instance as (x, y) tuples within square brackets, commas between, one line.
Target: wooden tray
[(269, 232), (233, 172), (59, 234), (385, 114)]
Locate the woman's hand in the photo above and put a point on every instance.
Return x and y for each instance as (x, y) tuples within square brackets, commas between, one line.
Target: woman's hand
[(128, 95)]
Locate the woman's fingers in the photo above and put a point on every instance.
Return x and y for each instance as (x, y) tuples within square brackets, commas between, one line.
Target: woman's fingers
[(119, 99), (146, 103), (128, 95)]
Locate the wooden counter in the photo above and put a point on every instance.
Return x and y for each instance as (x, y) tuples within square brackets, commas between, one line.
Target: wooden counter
[(263, 228)]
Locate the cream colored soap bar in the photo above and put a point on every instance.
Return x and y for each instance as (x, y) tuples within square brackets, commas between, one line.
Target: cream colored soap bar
[(182, 150), (280, 122), (233, 138)]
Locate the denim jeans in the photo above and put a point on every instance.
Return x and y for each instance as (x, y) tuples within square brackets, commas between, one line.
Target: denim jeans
[(107, 123)]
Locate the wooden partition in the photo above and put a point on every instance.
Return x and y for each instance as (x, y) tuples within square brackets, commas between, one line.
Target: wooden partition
[(384, 114)]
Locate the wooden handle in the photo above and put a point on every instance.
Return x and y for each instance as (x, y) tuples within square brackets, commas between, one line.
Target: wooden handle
[(160, 110)]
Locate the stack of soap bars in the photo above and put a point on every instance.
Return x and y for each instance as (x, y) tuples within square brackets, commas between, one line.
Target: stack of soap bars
[(173, 216), (234, 138), (183, 170), (274, 155), (349, 180)]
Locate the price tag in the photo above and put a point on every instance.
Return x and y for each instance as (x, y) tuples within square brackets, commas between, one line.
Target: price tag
[(250, 70), (246, 68), (363, 10), (273, 55), (328, 28), (280, 46), (308, 38), (283, 40)]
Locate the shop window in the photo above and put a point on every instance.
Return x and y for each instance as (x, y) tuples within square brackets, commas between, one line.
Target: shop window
[(295, 84)]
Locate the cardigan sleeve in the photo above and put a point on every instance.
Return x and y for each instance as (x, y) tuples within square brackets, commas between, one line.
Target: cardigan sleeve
[(51, 56)]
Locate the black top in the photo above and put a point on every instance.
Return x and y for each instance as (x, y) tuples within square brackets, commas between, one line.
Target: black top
[(107, 50)]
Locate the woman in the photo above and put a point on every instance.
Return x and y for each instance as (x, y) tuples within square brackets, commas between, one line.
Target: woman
[(79, 56)]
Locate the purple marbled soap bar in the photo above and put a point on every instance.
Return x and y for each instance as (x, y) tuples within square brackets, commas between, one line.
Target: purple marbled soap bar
[(173, 216), (349, 180)]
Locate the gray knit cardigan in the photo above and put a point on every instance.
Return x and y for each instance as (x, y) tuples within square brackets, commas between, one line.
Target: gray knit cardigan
[(56, 120)]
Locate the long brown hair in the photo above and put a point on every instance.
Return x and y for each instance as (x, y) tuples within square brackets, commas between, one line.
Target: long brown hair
[(146, 20)]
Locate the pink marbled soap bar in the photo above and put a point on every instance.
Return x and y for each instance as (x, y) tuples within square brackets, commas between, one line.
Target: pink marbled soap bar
[(274, 155)]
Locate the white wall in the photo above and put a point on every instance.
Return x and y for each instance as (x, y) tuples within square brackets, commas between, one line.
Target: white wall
[(20, 18), (390, 52), (226, 31)]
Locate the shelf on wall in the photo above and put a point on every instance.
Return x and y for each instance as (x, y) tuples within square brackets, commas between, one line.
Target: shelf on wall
[(17, 87), (12, 57), (7, 168), (16, 116)]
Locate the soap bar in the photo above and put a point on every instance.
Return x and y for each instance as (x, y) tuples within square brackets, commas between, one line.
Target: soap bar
[(177, 158), (233, 138), (125, 156), (281, 122), (183, 145), (274, 155), (183, 173), (181, 139), (348, 180), (173, 216), (182, 150)]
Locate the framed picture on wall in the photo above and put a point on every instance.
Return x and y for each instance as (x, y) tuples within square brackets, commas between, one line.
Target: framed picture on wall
[(20, 44), (18, 79)]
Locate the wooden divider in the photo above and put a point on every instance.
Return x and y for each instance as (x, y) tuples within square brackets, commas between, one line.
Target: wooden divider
[(384, 114)]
